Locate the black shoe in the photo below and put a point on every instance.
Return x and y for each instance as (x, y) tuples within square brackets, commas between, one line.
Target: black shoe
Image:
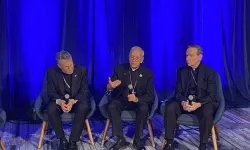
[(121, 143), (137, 145), (203, 146), (73, 145), (63, 144), (169, 147)]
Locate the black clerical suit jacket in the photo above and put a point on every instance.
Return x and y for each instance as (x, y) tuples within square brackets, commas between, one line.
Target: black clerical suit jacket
[(145, 83), (207, 86), (79, 87)]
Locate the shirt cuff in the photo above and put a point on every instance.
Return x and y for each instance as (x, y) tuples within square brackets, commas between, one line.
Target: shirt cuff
[(108, 91), (58, 101)]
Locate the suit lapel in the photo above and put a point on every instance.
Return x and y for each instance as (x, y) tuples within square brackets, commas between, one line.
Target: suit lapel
[(186, 80), (139, 77), (126, 76), (75, 77), (60, 81), (200, 78)]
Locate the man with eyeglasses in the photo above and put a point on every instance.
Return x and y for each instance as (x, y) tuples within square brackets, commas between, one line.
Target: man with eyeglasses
[(196, 92), (67, 87), (131, 88)]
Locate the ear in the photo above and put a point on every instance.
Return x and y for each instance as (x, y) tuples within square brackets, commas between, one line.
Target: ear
[(142, 59), (201, 57)]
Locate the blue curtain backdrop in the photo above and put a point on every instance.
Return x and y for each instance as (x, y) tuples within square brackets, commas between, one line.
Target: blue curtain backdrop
[(100, 33)]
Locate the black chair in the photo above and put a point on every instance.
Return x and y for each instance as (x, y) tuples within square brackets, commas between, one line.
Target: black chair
[(66, 117), (191, 120)]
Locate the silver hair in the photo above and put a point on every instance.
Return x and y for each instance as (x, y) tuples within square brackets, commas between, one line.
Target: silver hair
[(63, 55), (199, 49), (135, 48)]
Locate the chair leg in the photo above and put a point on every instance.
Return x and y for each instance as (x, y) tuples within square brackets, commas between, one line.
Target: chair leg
[(1, 144), (150, 130), (89, 132), (46, 128), (44, 125), (105, 131), (217, 132), (214, 139), (163, 143)]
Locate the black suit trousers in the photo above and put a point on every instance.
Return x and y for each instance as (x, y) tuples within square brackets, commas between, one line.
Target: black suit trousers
[(81, 110), (205, 115), (114, 110)]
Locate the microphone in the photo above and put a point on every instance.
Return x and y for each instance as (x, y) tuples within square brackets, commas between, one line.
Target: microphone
[(130, 89), (190, 99), (66, 97)]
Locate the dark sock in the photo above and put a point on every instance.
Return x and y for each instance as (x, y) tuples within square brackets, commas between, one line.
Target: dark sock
[(170, 142), (203, 145), (121, 137), (63, 139)]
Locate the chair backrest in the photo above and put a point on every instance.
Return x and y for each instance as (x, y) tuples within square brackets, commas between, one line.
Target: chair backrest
[(103, 105), (221, 100), (42, 99), (154, 106), (2, 117), (167, 100)]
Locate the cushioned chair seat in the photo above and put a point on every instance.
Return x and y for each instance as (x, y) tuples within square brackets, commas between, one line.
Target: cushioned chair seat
[(188, 119), (128, 115)]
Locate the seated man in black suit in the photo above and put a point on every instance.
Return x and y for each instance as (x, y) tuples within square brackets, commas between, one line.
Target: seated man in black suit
[(196, 92), (68, 92), (132, 88)]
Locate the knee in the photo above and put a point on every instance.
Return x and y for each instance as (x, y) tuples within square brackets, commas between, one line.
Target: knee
[(83, 108), (112, 106), (52, 108), (143, 108), (207, 113), (170, 108)]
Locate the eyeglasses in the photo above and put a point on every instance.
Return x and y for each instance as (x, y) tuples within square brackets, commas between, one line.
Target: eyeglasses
[(134, 57)]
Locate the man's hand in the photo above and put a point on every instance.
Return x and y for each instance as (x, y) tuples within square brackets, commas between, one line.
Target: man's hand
[(192, 107), (111, 85), (132, 98), (70, 104), (63, 105), (184, 104)]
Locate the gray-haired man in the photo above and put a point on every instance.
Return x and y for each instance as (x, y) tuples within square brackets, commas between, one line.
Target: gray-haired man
[(67, 92)]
